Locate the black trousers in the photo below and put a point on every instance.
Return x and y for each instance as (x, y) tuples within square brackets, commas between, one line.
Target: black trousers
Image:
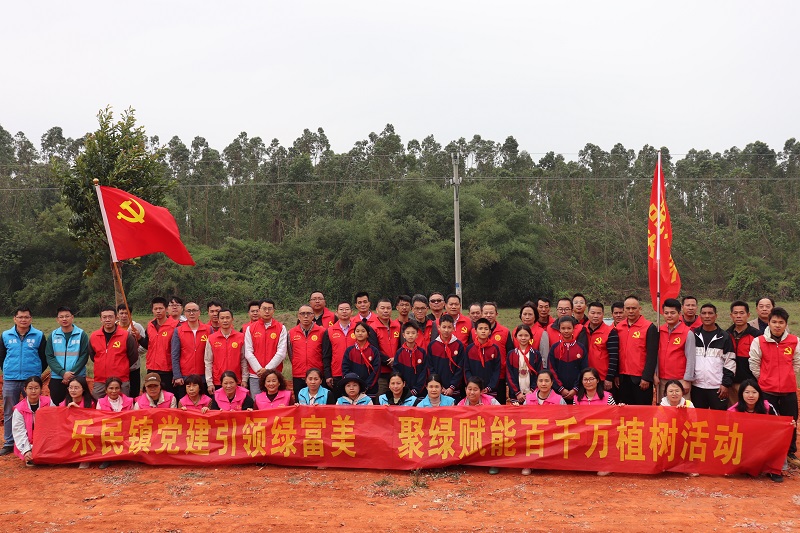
[(708, 399), (58, 391), (786, 405), (631, 394)]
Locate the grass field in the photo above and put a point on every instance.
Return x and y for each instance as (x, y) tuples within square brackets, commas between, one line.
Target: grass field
[(507, 317)]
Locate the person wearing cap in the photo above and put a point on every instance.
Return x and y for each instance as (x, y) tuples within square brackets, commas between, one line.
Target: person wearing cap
[(152, 396), (352, 391)]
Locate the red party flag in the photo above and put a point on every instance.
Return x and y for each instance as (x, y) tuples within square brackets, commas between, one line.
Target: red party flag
[(135, 228), (665, 282)]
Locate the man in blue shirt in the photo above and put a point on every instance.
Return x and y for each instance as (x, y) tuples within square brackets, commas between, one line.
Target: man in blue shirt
[(21, 356)]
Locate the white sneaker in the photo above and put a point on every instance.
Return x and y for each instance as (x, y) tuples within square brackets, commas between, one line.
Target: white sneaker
[(604, 474), (526, 471)]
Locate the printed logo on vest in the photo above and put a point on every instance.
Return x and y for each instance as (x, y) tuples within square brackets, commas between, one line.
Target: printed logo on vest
[(598, 340), (273, 336), (116, 344), (788, 351), (636, 334), (314, 338), (677, 341), (234, 344), (203, 338), (497, 337)]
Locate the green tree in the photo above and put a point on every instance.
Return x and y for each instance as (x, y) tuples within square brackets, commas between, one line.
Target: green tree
[(117, 155)]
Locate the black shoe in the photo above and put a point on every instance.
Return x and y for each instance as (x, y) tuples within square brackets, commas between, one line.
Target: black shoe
[(6, 450), (777, 478), (104, 465)]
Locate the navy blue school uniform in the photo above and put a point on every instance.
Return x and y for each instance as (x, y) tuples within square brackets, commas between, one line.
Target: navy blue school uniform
[(413, 367)]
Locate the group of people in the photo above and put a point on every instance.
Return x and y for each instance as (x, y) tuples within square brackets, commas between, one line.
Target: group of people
[(430, 355)]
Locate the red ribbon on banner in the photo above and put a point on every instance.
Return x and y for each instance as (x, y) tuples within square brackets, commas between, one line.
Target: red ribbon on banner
[(632, 439)]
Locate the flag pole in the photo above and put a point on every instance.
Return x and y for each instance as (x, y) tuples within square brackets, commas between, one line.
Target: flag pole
[(658, 242), (115, 273)]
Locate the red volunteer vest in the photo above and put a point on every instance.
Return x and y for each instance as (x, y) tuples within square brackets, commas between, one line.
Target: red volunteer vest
[(306, 351), (633, 346), (110, 360), (339, 343), (777, 372), (159, 345), (672, 351), (598, 348), (265, 342), (193, 348), (227, 354)]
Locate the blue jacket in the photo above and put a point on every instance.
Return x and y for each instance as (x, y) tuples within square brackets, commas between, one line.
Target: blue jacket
[(23, 357), (304, 399), (445, 401), (68, 352)]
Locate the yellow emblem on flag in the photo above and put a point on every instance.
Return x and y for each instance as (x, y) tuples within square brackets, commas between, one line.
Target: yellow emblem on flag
[(135, 216)]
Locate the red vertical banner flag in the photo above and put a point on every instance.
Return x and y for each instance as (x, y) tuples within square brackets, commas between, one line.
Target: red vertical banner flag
[(135, 228), (665, 282)]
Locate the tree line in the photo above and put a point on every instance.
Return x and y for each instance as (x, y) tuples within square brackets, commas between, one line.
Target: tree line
[(264, 219)]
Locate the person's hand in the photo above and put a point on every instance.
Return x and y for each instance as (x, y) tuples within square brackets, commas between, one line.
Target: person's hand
[(390, 361), (687, 386), (616, 382), (447, 392), (28, 455), (644, 385), (178, 381), (211, 390), (723, 392), (329, 381), (262, 371), (72, 404), (135, 332), (485, 391), (249, 408), (183, 408), (520, 396), (204, 409), (607, 385)]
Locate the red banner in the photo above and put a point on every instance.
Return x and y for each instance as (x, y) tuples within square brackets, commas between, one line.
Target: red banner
[(659, 244), (619, 439)]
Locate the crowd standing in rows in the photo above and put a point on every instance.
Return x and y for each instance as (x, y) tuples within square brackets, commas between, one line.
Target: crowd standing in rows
[(431, 355)]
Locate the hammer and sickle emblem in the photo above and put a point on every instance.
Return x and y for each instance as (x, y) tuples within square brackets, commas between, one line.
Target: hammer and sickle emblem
[(127, 205)]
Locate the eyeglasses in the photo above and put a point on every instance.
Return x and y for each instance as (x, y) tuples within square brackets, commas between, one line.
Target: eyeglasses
[(191, 310), (589, 380), (305, 313), (564, 309)]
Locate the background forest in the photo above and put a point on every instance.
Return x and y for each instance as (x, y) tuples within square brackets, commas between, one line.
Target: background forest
[(264, 219)]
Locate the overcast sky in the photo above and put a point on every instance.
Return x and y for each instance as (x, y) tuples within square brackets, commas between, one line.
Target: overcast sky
[(555, 75)]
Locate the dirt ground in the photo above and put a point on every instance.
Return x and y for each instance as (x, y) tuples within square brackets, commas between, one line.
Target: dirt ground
[(133, 497), (130, 497)]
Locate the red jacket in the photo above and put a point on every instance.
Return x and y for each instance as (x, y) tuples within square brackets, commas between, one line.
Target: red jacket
[(306, 350), (462, 329), (110, 360)]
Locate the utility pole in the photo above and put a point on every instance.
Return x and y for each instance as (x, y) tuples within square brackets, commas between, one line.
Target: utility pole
[(457, 221)]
